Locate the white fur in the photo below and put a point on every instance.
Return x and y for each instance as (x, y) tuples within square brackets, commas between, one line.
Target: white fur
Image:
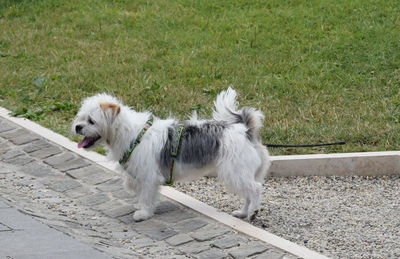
[(241, 164)]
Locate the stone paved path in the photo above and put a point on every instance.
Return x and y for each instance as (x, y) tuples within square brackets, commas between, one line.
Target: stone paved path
[(87, 202), (23, 237)]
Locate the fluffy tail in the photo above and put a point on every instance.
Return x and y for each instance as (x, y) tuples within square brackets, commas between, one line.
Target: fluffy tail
[(226, 109)]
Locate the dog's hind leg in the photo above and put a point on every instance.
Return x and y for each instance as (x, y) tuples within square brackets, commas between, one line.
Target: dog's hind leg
[(252, 193), (255, 200), (237, 179), (265, 163), (243, 212)]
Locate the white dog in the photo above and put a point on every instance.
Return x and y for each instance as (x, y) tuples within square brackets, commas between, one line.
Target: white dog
[(153, 151)]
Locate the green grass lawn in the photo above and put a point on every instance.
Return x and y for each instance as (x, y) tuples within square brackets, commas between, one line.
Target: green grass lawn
[(320, 70)]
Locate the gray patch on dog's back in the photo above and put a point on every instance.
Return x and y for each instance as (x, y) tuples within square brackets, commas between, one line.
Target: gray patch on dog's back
[(199, 145)]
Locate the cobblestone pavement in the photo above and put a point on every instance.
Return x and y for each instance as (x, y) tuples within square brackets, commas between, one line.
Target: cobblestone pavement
[(87, 202), (23, 237)]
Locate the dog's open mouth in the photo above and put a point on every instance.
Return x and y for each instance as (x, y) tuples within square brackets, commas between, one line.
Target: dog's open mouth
[(88, 142)]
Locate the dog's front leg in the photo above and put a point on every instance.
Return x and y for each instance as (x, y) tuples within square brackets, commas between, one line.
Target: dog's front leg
[(142, 214), (147, 198)]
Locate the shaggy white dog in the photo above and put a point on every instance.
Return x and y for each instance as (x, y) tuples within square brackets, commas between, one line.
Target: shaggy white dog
[(152, 151)]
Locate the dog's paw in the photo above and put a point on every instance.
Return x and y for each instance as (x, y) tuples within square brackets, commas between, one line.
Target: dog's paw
[(141, 215), (239, 214), (252, 216)]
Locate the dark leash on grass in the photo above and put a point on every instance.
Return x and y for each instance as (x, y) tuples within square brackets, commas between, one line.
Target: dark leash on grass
[(307, 145)]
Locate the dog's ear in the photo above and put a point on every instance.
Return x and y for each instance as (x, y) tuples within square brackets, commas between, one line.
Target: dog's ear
[(110, 108)]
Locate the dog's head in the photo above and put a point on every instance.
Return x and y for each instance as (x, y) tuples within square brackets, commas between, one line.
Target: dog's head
[(95, 120)]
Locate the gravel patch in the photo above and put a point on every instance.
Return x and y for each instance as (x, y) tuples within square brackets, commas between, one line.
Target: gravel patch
[(340, 217)]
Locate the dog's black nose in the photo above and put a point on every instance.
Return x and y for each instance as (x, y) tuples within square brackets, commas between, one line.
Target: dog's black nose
[(78, 128)]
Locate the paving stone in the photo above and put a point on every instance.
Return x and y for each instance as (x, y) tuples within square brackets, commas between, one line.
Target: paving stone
[(212, 254), (92, 174), (94, 199), (132, 200), (36, 169), (124, 235), (209, 232), (111, 185), (161, 233), (84, 172), (154, 229), (162, 250), (22, 182), (122, 194), (189, 225), (110, 224), (64, 185), (175, 256), (4, 147), (37, 145), (46, 152), (148, 225), (5, 168), (20, 140), (12, 134), (127, 219), (175, 216), (10, 153), (50, 179), (44, 193), (53, 200), (166, 206), (143, 242), (179, 239), (19, 136), (72, 164), (194, 247), (270, 255), (5, 126), (107, 205), (249, 249), (119, 211), (228, 241), (59, 159), (17, 159), (96, 179), (78, 192), (118, 252)]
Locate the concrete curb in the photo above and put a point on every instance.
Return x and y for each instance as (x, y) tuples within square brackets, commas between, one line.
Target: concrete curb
[(339, 164)]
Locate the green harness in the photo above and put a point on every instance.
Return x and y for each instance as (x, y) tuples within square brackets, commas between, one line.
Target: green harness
[(134, 144), (174, 154), (174, 149)]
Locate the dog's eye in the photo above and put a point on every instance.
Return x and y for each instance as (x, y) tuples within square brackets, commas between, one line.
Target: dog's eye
[(90, 121)]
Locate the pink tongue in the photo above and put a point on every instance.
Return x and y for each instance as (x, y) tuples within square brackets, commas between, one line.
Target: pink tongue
[(85, 142)]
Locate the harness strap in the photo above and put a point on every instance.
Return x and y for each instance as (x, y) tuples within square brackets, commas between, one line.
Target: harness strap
[(134, 144), (174, 154)]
